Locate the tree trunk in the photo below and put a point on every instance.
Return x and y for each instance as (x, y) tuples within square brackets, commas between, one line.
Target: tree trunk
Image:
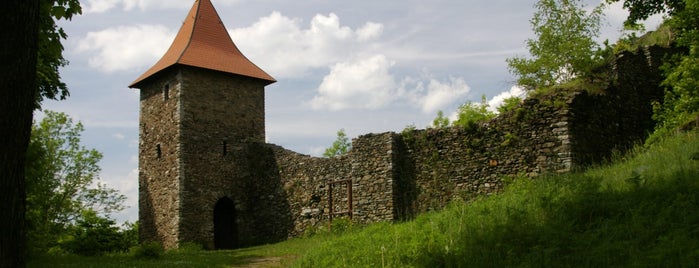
[(18, 91)]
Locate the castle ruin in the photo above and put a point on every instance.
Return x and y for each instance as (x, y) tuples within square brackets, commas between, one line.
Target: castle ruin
[(207, 176)]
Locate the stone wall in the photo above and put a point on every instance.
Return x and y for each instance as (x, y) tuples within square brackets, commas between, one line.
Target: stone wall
[(158, 179), (368, 167), (222, 121), (205, 143), (396, 176)]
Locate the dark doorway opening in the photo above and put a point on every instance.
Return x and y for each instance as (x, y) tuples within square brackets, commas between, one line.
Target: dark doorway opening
[(225, 231)]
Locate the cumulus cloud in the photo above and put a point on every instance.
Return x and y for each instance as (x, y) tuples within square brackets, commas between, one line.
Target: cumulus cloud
[(369, 84), (284, 48), (436, 94), (496, 101), (126, 47), (364, 83)]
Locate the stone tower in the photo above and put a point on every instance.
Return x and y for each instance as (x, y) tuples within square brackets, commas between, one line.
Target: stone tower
[(202, 104)]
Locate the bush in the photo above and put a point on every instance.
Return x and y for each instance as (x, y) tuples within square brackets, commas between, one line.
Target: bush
[(148, 250), (95, 235)]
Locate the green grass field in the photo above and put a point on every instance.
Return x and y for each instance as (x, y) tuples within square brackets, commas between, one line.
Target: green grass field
[(640, 211)]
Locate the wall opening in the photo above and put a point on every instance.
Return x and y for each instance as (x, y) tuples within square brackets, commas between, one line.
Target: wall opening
[(166, 92), (225, 229)]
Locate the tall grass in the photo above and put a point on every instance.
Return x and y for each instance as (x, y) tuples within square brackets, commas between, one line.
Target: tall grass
[(642, 211)]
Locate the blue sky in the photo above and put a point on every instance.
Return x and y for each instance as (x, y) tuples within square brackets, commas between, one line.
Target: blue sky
[(363, 66)]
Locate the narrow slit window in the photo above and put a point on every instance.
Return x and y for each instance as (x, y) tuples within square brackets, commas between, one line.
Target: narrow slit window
[(166, 92), (158, 151), (225, 148)]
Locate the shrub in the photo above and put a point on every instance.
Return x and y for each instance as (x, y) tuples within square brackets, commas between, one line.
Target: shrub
[(148, 250)]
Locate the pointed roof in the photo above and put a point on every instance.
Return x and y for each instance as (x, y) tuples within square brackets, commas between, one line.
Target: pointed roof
[(204, 42)]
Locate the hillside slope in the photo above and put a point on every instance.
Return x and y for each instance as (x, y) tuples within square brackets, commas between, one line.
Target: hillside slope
[(641, 211)]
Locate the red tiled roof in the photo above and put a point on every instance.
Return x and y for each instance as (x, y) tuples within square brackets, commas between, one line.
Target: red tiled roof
[(204, 42)]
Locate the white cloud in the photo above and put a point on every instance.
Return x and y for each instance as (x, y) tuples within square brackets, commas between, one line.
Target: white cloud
[(496, 101), (369, 31), (118, 136), (364, 83), (437, 94), (369, 84), (282, 47), (126, 47), (101, 6)]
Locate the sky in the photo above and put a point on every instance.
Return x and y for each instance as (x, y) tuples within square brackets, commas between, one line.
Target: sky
[(362, 66)]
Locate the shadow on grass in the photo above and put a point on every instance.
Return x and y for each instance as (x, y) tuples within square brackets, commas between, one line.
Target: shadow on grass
[(217, 258)]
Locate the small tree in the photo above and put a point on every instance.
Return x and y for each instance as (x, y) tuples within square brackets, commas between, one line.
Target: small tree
[(471, 113), (509, 104), (60, 176), (564, 47), (441, 121), (340, 146)]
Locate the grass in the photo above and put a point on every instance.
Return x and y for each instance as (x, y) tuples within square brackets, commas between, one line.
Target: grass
[(276, 255), (640, 211)]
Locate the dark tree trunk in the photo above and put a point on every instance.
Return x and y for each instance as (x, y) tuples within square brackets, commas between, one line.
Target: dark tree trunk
[(18, 49)]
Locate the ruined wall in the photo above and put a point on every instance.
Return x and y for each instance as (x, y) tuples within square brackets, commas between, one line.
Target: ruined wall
[(396, 176), (621, 116), (459, 163), (306, 181)]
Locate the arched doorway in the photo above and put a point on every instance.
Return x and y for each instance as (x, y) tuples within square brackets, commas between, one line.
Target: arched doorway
[(225, 231)]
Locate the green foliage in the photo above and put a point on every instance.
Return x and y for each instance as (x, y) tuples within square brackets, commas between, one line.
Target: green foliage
[(95, 235), (642, 9), (440, 121), (60, 178), (340, 146), (630, 41), (681, 101), (148, 250), (509, 104), (639, 212), (565, 47), (50, 53), (470, 114)]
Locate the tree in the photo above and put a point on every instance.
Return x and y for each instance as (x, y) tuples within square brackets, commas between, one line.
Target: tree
[(564, 47), (61, 181), (18, 51), (340, 146), (642, 9), (440, 121), (20, 92), (50, 54), (470, 114)]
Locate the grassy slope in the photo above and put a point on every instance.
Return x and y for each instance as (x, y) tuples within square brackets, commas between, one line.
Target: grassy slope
[(642, 211)]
